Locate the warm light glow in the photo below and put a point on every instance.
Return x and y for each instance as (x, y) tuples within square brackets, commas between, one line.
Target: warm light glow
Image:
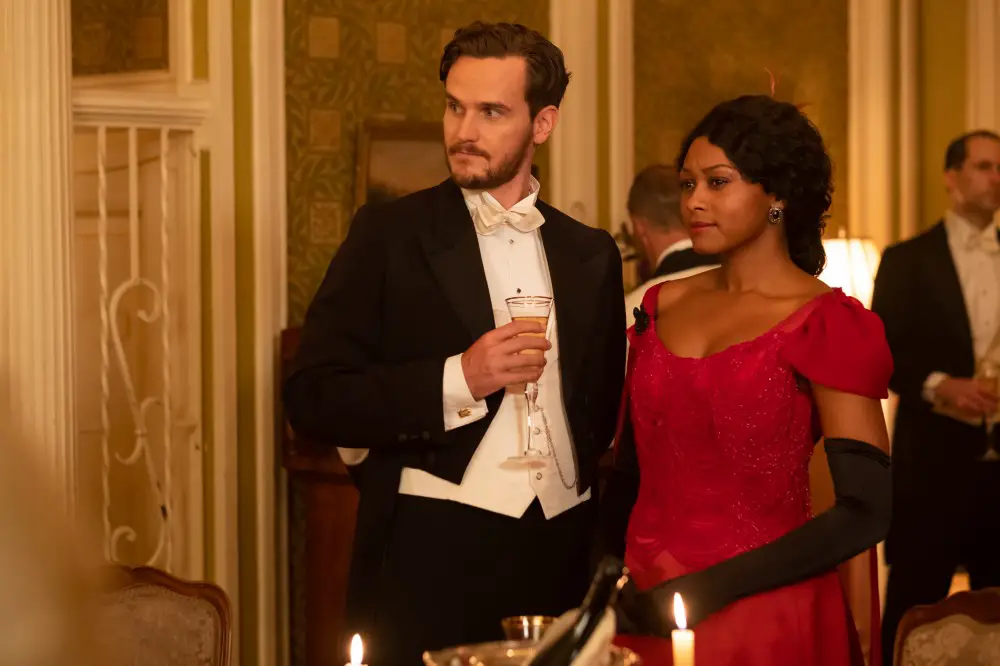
[(851, 264), (680, 617), (357, 651)]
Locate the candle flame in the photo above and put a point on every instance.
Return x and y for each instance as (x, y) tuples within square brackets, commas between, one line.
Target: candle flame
[(680, 617), (357, 651)]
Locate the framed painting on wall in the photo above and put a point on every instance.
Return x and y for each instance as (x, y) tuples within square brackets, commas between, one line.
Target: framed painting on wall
[(397, 157)]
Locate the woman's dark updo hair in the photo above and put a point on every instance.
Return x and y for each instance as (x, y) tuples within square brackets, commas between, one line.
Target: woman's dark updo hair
[(775, 146)]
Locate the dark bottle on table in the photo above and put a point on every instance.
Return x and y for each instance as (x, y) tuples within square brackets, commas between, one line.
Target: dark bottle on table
[(603, 594)]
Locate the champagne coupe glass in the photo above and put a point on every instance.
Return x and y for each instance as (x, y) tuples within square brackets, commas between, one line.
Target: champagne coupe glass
[(535, 309), (988, 374)]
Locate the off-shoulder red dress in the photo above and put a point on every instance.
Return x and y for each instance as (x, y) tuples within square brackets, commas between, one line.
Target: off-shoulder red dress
[(723, 445)]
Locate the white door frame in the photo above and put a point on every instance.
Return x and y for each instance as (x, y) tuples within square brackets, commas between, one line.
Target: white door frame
[(982, 107), (176, 99), (573, 26), (270, 318), (621, 106), (175, 94), (870, 120), (224, 567)]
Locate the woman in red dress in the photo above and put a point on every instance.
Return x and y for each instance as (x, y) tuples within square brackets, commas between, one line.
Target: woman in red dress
[(734, 376)]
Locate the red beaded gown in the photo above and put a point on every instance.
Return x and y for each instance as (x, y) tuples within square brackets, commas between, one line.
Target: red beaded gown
[(723, 445)]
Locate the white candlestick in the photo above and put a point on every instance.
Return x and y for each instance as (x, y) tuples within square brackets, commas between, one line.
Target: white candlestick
[(682, 638)]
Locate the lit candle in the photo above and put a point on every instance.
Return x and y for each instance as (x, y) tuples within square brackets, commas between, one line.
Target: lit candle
[(357, 651), (682, 638)]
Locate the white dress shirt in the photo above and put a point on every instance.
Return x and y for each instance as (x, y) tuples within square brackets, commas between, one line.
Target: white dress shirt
[(514, 263), (976, 253)]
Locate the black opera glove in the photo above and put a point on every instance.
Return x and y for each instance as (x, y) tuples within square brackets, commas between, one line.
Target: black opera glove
[(651, 612), (858, 521)]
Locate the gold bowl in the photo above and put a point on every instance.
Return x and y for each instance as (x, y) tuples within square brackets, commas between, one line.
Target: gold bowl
[(511, 653), (526, 627)]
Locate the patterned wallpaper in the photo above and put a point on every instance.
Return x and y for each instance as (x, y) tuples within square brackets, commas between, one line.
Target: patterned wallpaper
[(119, 36), (690, 56), (348, 60)]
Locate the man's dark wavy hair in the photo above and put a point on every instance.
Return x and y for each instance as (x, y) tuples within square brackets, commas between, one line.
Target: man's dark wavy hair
[(547, 75)]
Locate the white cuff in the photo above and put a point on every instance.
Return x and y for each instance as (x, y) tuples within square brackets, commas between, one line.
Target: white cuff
[(931, 384), (460, 408)]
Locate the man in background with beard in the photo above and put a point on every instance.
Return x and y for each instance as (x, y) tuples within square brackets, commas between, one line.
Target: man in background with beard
[(938, 295), (409, 357)]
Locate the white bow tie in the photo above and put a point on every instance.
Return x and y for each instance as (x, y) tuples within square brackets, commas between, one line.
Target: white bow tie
[(488, 215), (987, 242), (488, 219)]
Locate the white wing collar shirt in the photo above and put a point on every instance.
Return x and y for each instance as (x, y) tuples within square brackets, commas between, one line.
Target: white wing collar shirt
[(513, 257)]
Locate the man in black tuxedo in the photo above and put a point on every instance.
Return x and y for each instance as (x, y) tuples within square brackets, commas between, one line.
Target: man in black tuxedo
[(408, 351), (939, 297), (654, 209)]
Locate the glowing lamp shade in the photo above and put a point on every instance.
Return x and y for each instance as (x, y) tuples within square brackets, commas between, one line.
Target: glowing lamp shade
[(851, 264)]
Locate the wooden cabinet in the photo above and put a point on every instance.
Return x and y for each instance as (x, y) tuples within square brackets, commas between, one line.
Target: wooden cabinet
[(331, 502)]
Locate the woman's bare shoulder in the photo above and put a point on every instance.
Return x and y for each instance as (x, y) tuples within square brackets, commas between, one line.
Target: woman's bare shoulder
[(673, 291), (811, 288)]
